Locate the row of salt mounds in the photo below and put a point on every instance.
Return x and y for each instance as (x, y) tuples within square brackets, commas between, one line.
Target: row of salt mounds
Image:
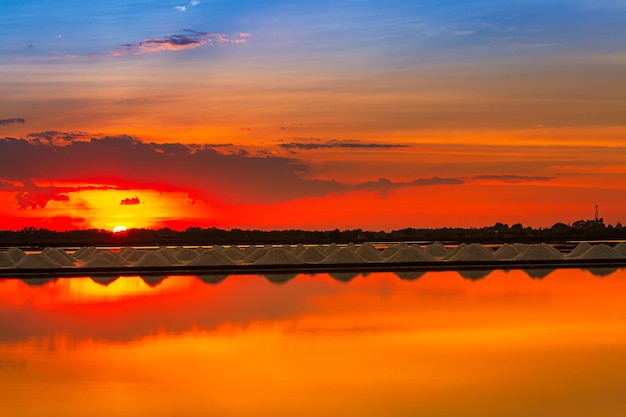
[(601, 251), (15, 254), (342, 256), (580, 249), (473, 252), (211, 257), (436, 250), (312, 254), (278, 256), (506, 252), (5, 260), (105, 259), (368, 252), (84, 253), (410, 254), (621, 248), (59, 256), (36, 261), (540, 252)]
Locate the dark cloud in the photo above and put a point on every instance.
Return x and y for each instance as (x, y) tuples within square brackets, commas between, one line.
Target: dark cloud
[(123, 162), (31, 196), (130, 201), (12, 121), (350, 144), (513, 179)]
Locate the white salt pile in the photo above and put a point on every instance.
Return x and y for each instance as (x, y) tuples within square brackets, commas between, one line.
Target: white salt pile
[(391, 249), (368, 252), (170, 255), (436, 250), (579, 250), (506, 252), (126, 251), (186, 254), (5, 260), (410, 254), (211, 257), (247, 251), (539, 253), (621, 248), (330, 248), (59, 256), (473, 252), (84, 253), (342, 256), (234, 254), (278, 256), (521, 247), (601, 251), (136, 255), (15, 254), (36, 261), (152, 258), (298, 249), (452, 252), (312, 254), (256, 255), (105, 259)]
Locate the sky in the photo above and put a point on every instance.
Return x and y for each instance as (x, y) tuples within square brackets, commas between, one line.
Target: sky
[(311, 115)]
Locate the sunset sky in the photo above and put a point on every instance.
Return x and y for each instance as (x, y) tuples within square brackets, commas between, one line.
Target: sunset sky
[(311, 114)]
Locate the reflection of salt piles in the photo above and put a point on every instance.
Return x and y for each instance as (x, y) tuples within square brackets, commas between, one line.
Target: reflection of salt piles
[(580, 249), (211, 257), (409, 275), (368, 253), (36, 261), (410, 254), (104, 279), (278, 256), (506, 252), (473, 252), (452, 252), (342, 256), (312, 254), (279, 278), (153, 280), (539, 252), (5, 260), (170, 255), (152, 258), (186, 254), (436, 250), (475, 274), (15, 254), (601, 251), (538, 273), (105, 259)]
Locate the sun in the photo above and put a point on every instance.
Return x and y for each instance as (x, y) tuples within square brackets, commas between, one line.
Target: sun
[(118, 229)]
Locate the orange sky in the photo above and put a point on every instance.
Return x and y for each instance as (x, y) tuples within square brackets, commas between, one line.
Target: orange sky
[(278, 113)]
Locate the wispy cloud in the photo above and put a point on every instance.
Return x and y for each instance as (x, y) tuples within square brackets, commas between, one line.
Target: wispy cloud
[(180, 8), (12, 121), (188, 40), (512, 179), (31, 196), (336, 144)]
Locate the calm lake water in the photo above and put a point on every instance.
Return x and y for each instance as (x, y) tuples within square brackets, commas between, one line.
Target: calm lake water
[(436, 345)]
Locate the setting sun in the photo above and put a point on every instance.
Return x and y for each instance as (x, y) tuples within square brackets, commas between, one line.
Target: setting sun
[(118, 229)]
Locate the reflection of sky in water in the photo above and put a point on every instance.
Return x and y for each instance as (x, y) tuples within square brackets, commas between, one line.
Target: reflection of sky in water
[(435, 344)]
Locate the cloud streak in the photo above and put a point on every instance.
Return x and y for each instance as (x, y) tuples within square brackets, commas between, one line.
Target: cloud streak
[(131, 201), (12, 121), (336, 144)]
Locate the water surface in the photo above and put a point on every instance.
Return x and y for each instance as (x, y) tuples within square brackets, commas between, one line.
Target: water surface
[(438, 344)]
